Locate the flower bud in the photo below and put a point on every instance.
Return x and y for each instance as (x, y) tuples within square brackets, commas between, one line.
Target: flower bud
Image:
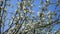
[(38, 13)]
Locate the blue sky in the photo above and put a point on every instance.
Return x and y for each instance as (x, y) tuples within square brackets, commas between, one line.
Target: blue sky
[(14, 3)]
